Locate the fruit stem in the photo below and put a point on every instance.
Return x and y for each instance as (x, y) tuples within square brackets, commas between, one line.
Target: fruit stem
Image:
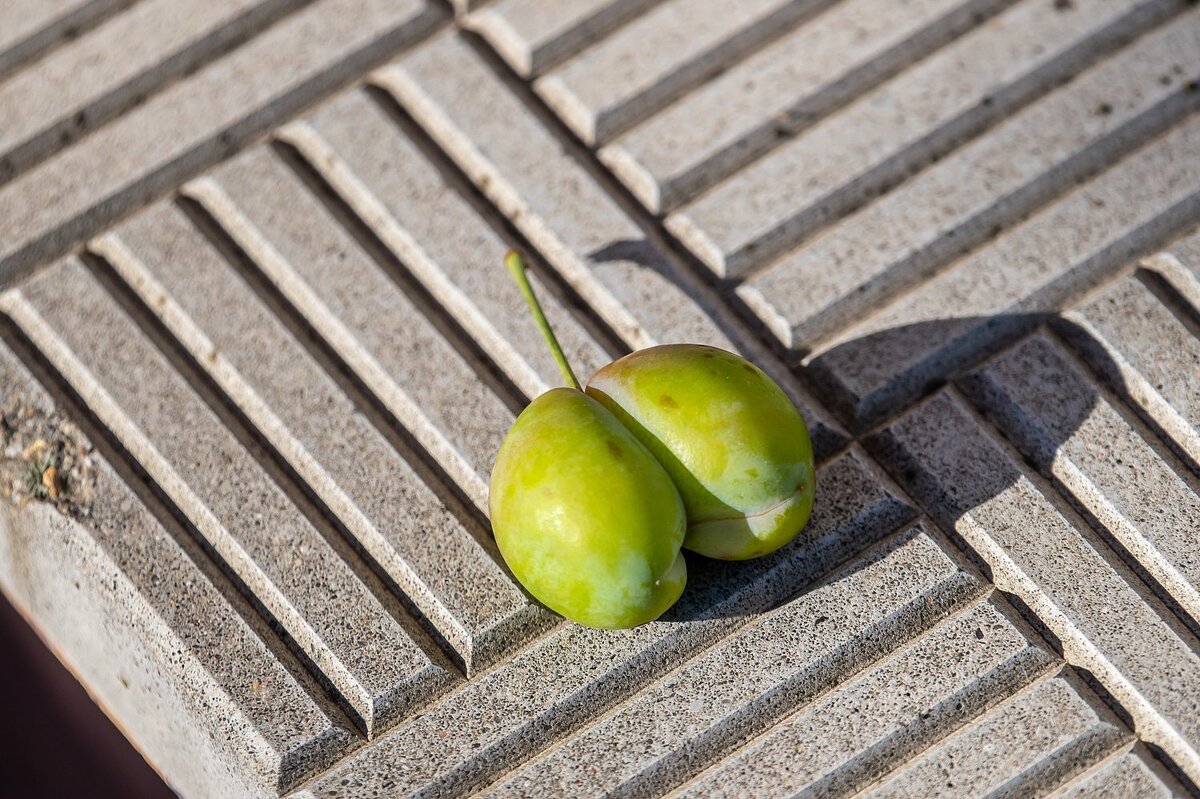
[(516, 265)]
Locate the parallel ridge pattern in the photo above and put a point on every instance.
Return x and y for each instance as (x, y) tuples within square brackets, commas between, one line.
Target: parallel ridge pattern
[(935, 226)]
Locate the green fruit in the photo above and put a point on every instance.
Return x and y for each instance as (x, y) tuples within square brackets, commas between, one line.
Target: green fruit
[(733, 443), (585, 517)]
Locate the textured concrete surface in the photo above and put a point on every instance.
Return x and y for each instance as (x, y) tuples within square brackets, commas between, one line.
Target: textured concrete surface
[(253, 313)]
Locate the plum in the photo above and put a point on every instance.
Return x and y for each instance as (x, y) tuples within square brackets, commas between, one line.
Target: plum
[(585, 517), (733, 443)]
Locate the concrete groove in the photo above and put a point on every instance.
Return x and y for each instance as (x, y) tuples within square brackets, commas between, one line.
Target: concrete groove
[(55, 33), (321, 346), (1098, 498), (757, 142), (1010, 314), (1133, 771), (624, 664), (313, 310), (1134, 388), (1183, 308), (226, 552), (1166, 609), (530, 61), (359, 235), (370, 713), (237, 418), (948, 711), (295, 765), (319, 470), (59, 237), (760, 247), (721, 325), (1013, 578), (909, 274), (447, 296), (75, 123), (301, 493), (1052, 703), (925, 220), (758, 711), (743, 33), (547, 279)]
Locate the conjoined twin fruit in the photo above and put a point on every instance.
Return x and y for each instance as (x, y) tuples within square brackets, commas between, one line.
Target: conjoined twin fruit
[(595, 490)]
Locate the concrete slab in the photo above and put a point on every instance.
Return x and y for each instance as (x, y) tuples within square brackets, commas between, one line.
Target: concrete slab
[(371, 489), (920, 228), (711, 132), (660, 55), (532, 35), (903, 125), (114, 67), (1026, 745), (263, 243), (193, 123), (1037, 266), (852, 733), (301, 580), (202, 685), (1042, 554)]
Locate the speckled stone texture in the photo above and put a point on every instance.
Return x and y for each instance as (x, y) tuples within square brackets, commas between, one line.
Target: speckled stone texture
[(258, 351)]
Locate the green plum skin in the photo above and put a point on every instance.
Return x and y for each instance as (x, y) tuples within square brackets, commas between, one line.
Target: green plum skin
[(584, 515), (733, 443)]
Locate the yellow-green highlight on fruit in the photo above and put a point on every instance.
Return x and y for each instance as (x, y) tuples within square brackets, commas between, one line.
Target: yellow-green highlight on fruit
[(585, 517), (733, 443)]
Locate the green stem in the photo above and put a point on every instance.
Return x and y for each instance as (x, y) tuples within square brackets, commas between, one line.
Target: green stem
[(516, 265)]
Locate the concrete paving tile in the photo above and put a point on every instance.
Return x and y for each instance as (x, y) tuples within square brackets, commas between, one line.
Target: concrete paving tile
[(194, 122), (561, 681), (532, 35), (305, 585), (1059, 419), (192, 680), (1037, 266), (623, 79), (1105, 622), (674, 727), (391, 184), (957, 204), (433, 557), (103, 72), (1030, 743), (625, 278), (884, 714), (724, 124), (1125, 776), (1149, 352), (949, 97)]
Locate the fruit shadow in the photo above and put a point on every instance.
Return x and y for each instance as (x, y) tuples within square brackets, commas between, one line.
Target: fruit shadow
[(855, 508)]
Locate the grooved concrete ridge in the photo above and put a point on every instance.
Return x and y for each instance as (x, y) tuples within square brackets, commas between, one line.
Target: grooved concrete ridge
[(252, 305)]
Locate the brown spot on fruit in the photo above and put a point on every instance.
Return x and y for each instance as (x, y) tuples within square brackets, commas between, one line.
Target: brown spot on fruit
[(614, 448), (748, 368), (667, 401)]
